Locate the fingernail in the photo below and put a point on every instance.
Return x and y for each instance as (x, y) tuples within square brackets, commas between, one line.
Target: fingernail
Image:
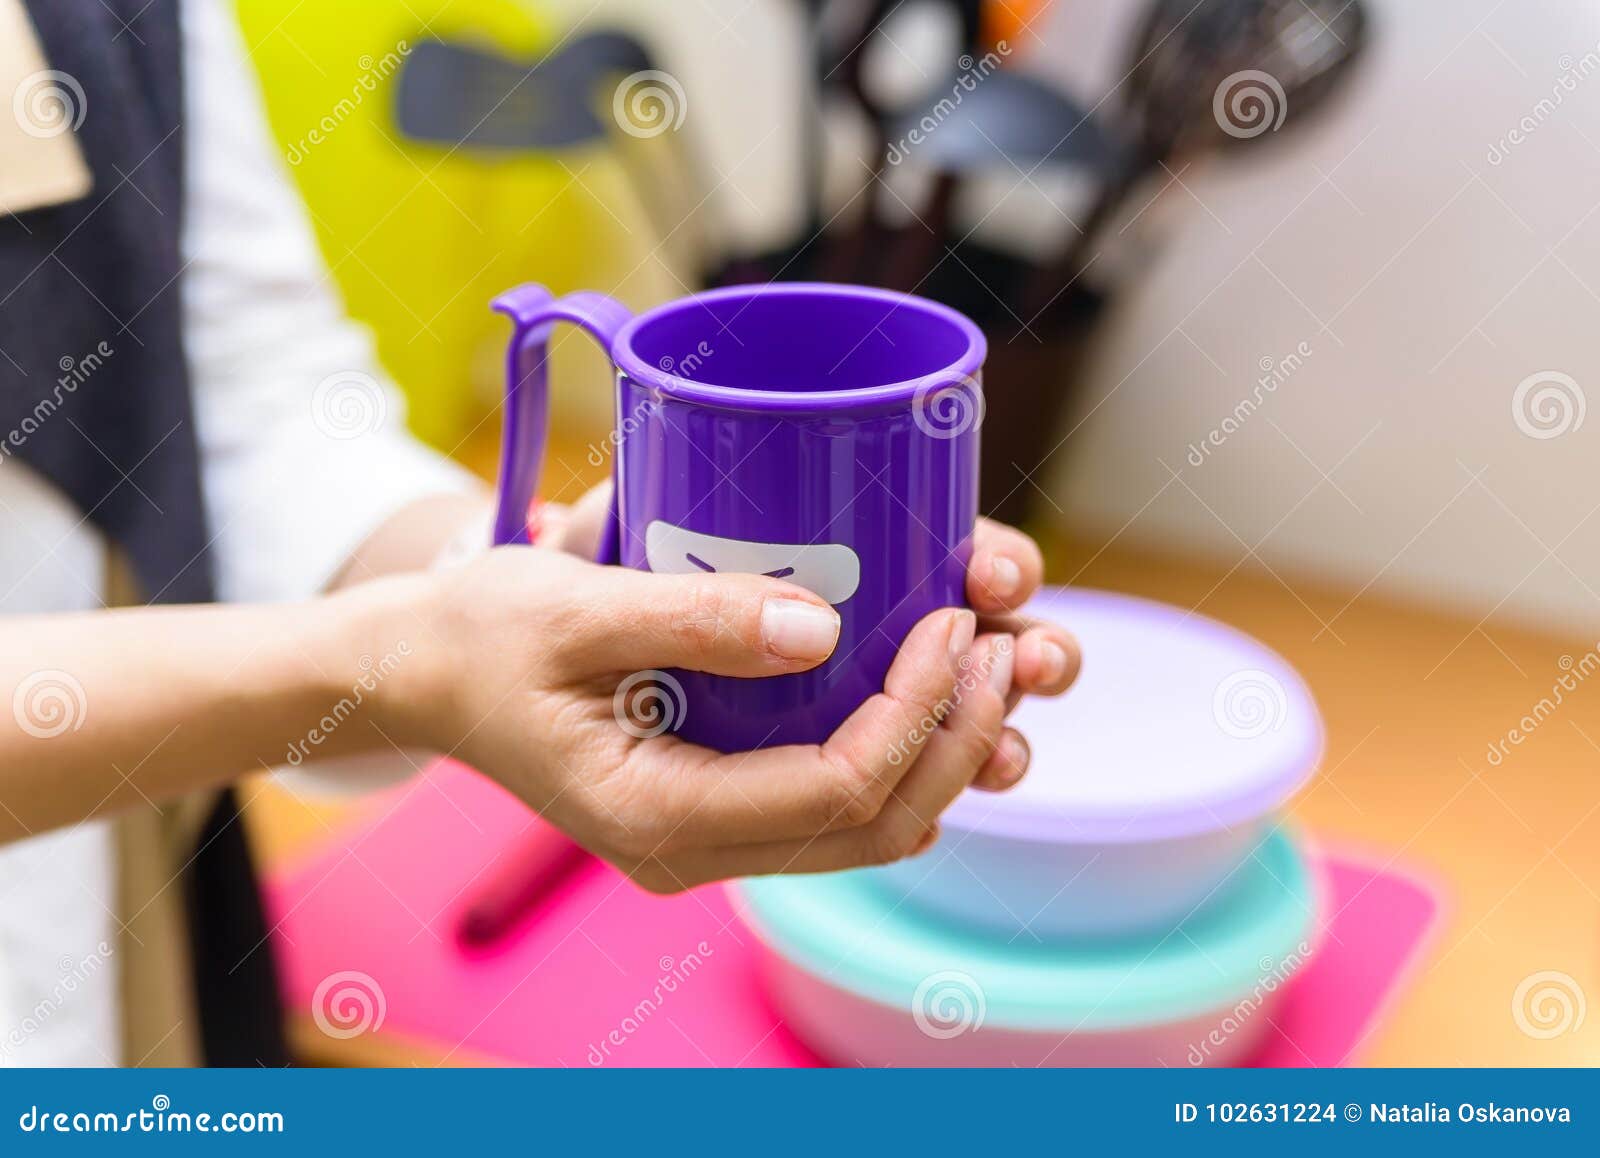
[(1005, 577), (1017, 756), (798, 630), (929, 839), (964, 627), (1052, 662), (1002, 660)]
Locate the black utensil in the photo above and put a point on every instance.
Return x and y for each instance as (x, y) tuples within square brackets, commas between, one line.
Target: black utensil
[(1213, 77)]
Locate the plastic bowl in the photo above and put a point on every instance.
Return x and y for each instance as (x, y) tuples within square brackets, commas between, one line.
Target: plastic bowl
[(865, 980), (1151, 779)]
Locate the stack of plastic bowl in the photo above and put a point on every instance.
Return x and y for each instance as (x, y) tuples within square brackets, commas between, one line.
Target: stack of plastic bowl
[(1133, 902)]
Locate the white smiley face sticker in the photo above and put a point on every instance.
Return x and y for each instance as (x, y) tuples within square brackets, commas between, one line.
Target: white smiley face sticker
[(831, 570)]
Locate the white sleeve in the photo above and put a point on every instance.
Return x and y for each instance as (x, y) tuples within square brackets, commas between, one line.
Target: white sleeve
[(303, 444)]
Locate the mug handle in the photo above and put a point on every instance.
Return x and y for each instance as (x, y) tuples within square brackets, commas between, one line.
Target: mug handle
[(534, 312)]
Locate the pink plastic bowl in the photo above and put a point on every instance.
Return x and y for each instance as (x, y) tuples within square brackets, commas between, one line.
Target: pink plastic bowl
[(847, 1029)]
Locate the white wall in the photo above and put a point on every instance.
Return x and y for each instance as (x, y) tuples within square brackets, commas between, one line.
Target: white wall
[(1427, 282)]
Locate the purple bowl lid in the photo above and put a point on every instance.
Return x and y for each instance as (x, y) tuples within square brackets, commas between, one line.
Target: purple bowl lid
[(1177, 725)]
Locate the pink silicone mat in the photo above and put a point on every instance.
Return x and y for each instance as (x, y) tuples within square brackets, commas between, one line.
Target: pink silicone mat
[(605, 974)]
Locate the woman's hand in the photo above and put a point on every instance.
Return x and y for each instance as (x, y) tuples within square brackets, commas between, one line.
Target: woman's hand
[(519, 654), (1005, 572)]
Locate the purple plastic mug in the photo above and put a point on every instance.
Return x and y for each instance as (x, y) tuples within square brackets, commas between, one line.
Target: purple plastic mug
[(823, 434)]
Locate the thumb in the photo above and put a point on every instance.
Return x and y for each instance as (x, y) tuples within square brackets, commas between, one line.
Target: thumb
[(723, 623)]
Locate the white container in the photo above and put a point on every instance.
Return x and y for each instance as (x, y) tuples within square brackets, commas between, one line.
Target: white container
[(1152, 779)]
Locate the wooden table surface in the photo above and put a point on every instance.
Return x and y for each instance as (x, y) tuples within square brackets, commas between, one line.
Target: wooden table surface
[(1413, 700)]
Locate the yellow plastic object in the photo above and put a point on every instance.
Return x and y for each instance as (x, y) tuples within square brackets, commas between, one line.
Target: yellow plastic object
[(419, 237)]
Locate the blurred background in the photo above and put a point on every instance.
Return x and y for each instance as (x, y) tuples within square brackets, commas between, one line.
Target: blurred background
[(1290, 308), (1422, 231)]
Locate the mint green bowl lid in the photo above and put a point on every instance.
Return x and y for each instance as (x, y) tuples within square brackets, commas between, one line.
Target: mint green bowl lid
[(843, 928)]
